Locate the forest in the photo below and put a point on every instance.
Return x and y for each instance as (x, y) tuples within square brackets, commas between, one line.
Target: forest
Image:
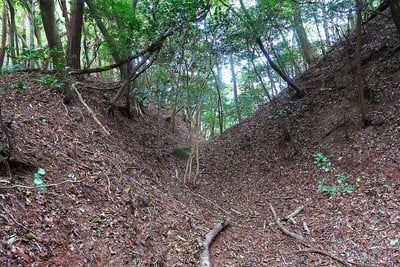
[(180, 133)]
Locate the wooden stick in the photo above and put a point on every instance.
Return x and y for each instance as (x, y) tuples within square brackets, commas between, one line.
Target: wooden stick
[(294, 213), (321, 252), (282, 228), (42, 185), (89, 109), (210, 237)]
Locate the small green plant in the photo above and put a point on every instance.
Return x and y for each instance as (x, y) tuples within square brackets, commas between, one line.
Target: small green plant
[(15, 86), (340, 187), (49, 80), (12, 68), (322, 162), (182, 153), (38, 180)]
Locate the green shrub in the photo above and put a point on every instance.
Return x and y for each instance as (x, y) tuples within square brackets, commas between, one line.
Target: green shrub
[(182, 153)]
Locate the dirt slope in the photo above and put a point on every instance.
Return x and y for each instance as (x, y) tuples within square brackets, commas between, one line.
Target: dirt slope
[(269, 159), (119, 200)]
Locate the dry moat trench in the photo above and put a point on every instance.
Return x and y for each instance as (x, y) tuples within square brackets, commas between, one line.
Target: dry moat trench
[(128, 206)]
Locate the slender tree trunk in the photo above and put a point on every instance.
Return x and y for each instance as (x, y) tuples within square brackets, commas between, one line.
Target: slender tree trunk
[(115, 54), (23, 31), (3, 34), (134, 5), (321, 40), (275, 67), (395, 10), (306, 48), (64, 10), (291, 84), (47, 9), (31, 19), (360, 79), (75, 34), (272, 82), (235, 89), (13, 32), (260, 79), (220, 110), (85, 47), (325, 25)]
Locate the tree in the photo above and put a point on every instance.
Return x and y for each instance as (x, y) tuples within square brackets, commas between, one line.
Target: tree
[(47, 10), (74, 35), (395, 10), (275, 67), (3, 34), (359, 75), (306, 48), (235, 89)]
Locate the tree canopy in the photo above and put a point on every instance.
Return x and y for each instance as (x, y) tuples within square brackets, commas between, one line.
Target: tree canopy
[(214, 60)]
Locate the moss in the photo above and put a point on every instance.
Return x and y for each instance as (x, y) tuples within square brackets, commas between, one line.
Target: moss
[(182, 153)]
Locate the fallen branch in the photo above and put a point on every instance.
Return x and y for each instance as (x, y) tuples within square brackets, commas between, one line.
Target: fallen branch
[(294, 214), (210, 237), (43, 185), (282, 228), (152, 48), (321, 252), (89, 109)]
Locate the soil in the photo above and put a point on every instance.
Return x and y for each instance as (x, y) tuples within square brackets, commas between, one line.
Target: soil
[(120, 200)]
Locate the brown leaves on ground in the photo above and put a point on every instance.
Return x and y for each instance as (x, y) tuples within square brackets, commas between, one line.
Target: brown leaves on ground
[(119, 200)]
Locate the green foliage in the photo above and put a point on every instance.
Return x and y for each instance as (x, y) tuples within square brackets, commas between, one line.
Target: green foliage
[(289, 109), (182, 153), (49, 81), (322, 162), (38, 179), (12, 68), (15, 86), (340, 187), (35, 56)]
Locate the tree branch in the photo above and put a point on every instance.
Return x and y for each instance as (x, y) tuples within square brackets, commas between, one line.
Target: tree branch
[(210, 237)]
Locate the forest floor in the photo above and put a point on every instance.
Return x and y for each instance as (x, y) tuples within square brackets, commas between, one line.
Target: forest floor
[(119, 199)]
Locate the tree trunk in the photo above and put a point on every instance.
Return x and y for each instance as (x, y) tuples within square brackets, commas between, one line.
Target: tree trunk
[(272, 82), (306, 48), (64, 10), (360, 79), (395, 10), (321, 40), (3, 34), (13, 32), (259, 77), (31, 19), (235, 89), (108, 38), (286, 43), (75, 34), (300, 93), (325, 25), (47, 10)]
